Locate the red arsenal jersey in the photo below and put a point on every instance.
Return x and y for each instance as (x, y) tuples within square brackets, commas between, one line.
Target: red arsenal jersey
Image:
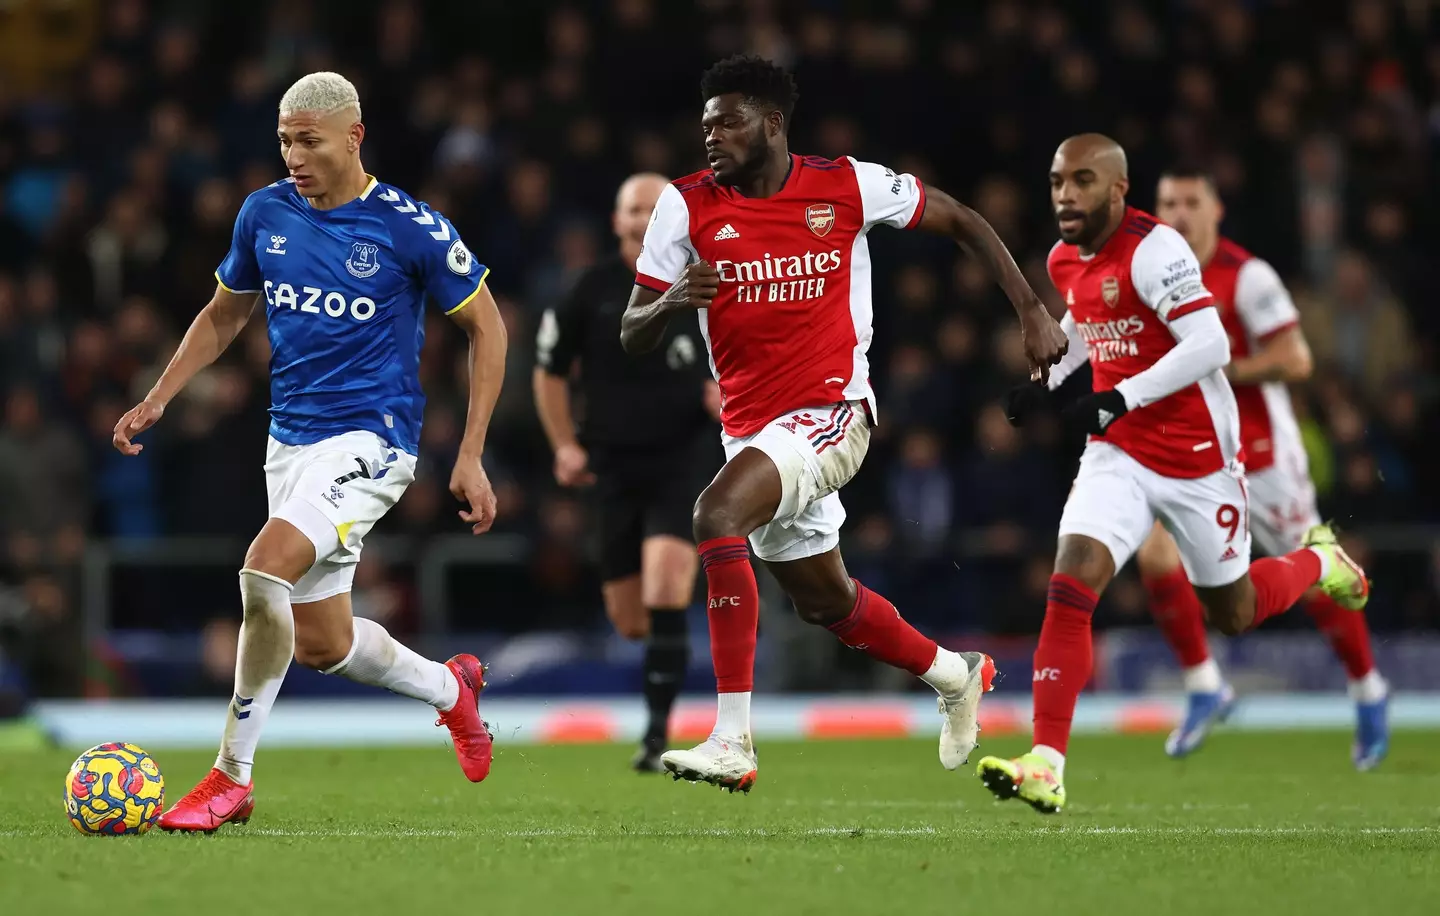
[(791, 323), (1254, 306), (1122, 300)]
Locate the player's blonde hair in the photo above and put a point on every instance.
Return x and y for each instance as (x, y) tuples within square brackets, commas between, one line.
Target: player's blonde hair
[(323, 92)]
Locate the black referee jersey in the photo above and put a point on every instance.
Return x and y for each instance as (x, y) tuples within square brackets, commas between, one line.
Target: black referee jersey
[(651, 401)]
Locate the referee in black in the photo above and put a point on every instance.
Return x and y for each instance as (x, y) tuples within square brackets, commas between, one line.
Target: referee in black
[(648, 443)]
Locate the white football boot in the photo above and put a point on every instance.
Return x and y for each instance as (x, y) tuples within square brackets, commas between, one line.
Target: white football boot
[(729, 763), (961, 708)]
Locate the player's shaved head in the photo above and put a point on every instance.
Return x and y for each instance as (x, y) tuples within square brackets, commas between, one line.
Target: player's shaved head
[(1089, 178), (646, 185), (1101, 153), (634, 203)]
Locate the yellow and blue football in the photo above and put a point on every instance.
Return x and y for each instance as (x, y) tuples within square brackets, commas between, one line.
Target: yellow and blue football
[(114, 789)]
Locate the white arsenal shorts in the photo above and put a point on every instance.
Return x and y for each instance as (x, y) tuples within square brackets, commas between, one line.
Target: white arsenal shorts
[(1116, 501), (334, 491), (1282, 506), (817, 451)]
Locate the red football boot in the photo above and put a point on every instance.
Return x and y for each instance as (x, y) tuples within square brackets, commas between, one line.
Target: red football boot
[(468, 732), (217, 800)]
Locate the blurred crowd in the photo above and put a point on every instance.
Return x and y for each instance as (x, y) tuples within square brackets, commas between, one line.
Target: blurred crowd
[(130, 131)]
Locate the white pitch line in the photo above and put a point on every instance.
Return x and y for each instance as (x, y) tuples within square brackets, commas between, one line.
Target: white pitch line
[(858, 831)]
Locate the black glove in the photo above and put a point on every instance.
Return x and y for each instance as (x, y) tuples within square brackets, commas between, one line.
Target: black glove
[(1024, 401), (1095, 412)]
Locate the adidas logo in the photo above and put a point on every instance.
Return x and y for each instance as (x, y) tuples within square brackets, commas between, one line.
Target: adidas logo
[(1106, 418), (1229, 554), (726, 232)]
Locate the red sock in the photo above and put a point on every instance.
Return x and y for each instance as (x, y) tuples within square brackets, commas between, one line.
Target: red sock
[(1063, 659), (1280, 581), (877, 629), (1347, 631), (734, 612), (1179, 615)]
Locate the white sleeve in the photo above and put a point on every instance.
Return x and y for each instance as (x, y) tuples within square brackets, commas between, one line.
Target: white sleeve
[(667, 249), (1262, 301), (1075, 357), (1201, 347), (1166, 275), (889, 198)]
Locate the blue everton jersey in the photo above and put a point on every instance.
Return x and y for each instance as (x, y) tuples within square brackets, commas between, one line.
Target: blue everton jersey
[(345, 294)]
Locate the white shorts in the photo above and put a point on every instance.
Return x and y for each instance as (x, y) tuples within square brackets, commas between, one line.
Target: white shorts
[(817, 451), (1282, 508), (1116, 501), (334, 491)]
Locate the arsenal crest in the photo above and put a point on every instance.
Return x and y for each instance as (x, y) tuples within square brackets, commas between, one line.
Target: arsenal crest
[(820, 218), (1110, 291)]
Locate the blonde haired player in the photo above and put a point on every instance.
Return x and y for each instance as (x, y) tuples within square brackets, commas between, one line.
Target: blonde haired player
[(342, 265)]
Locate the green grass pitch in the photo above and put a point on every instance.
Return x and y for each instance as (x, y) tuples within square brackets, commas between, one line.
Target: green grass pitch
[(1269, 824)]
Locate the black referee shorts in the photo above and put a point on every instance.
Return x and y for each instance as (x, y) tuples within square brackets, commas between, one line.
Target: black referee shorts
[(642, 493)]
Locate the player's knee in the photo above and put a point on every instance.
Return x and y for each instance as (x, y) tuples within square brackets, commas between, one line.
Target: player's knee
[(1227, 621), (1226, 611), (825, 607), (1231, 607), (1086, 560), (280, 550), (715, 517), (319, 649)]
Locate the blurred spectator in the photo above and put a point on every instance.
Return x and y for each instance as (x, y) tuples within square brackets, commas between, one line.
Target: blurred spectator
[(921, 493), (1005, 491), (44, 497), (1358, 328), (38, 635)]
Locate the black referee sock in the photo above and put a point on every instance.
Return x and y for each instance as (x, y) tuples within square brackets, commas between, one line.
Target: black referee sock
[(667, 656)]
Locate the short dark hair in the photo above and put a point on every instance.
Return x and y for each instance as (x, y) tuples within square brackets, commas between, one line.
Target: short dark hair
[(1191, 171), (753, 77)]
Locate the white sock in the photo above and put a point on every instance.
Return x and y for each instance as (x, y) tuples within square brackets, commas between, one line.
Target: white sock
[(732, 715), (376, 658), (948, 673), (1369, 689), (267, 641), (1325, 564), (1052, 757), (1202, 678)]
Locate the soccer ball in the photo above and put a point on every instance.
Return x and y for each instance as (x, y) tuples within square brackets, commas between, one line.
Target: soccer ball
[(114, 789)]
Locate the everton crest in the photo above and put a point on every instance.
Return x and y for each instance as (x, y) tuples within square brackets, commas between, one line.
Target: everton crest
[(363, 261)]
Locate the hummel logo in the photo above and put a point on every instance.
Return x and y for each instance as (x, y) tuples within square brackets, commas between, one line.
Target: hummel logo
[(240, 706), (726, 232), (277, 244), (1106, 418)]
